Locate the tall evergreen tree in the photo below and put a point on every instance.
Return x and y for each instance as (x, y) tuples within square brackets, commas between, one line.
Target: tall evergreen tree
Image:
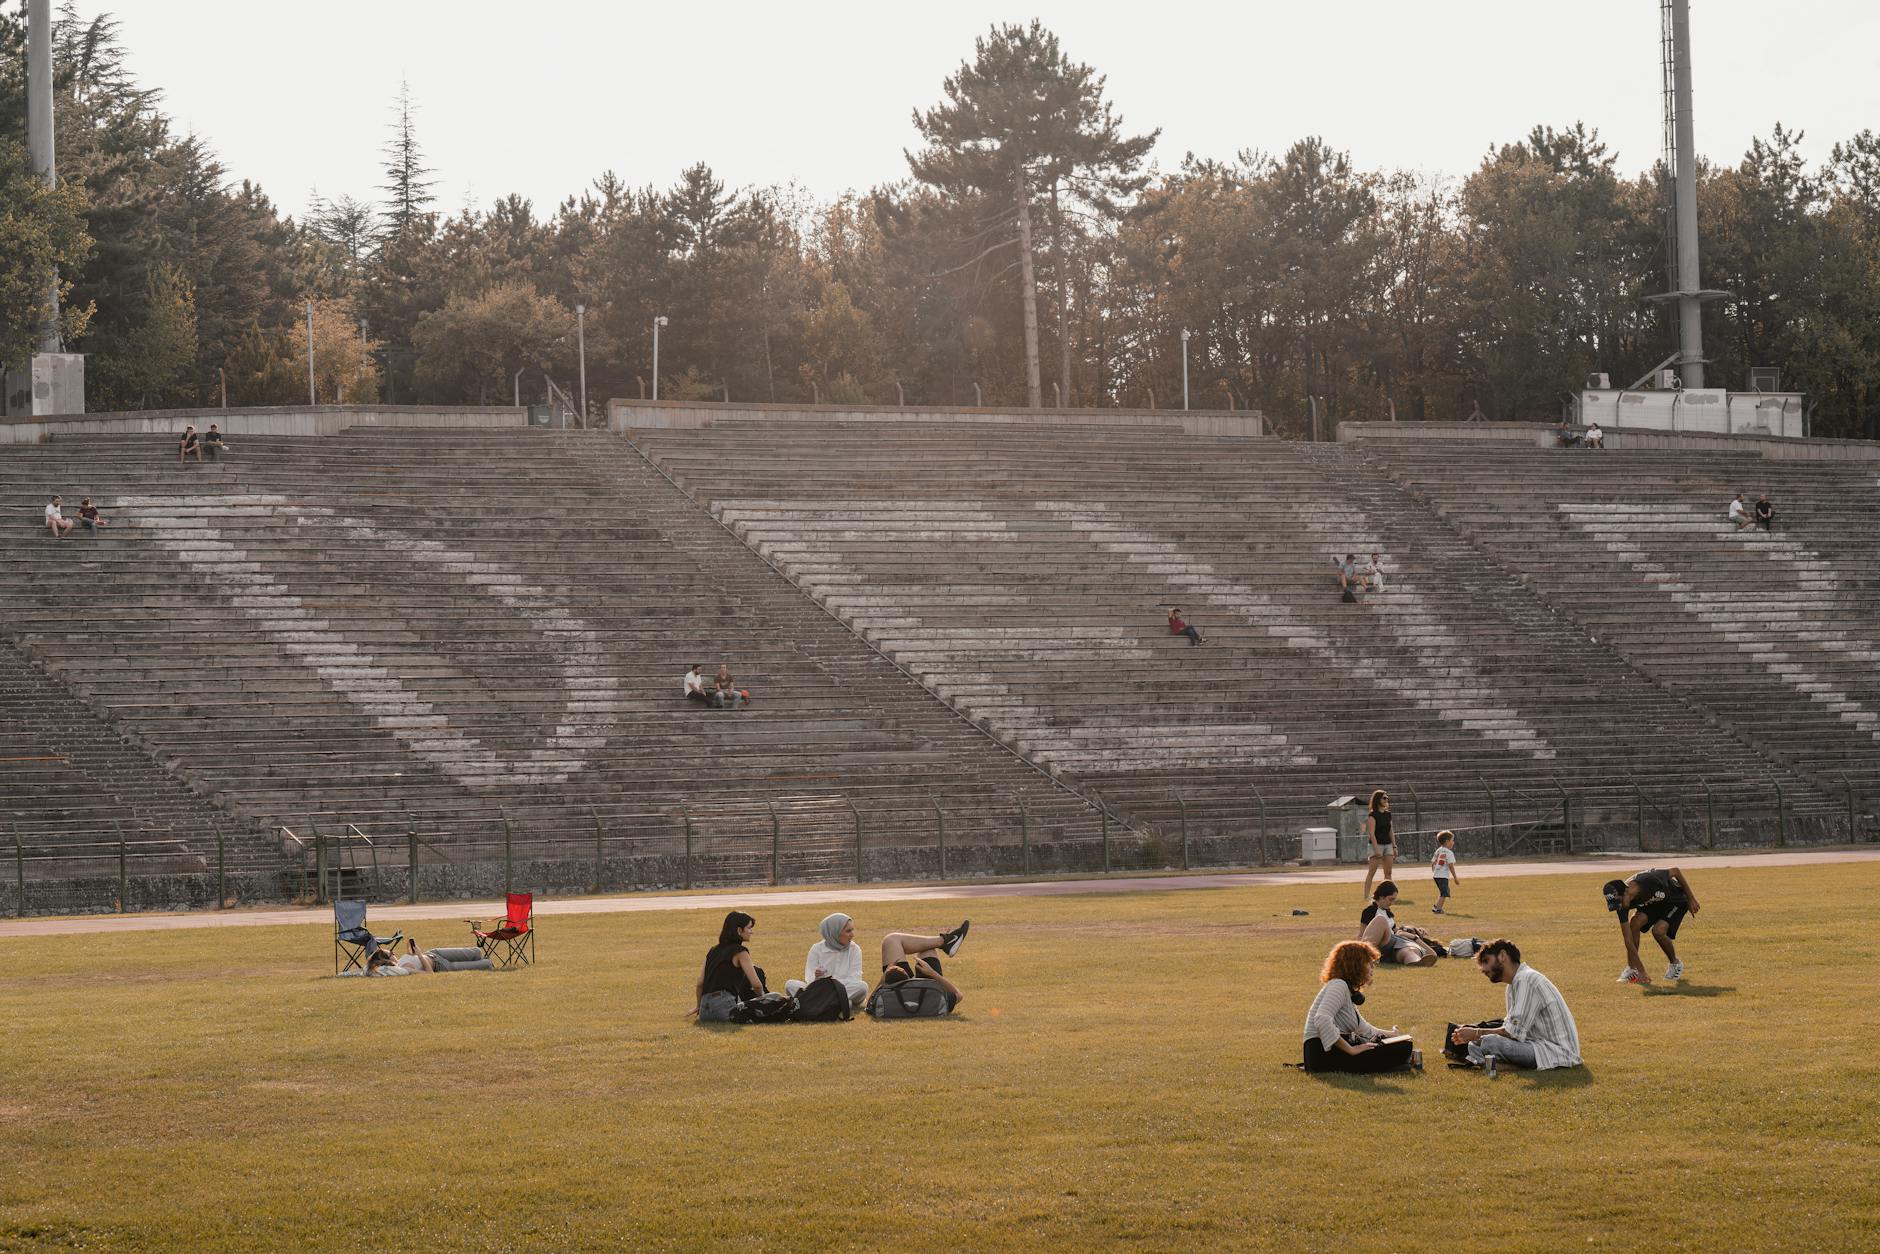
[(407, 186)]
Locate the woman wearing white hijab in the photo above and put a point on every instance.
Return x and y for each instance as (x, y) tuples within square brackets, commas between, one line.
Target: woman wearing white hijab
[(836, 956)]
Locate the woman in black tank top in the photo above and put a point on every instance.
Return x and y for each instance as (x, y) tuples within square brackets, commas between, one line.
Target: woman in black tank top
[(1382, 854)]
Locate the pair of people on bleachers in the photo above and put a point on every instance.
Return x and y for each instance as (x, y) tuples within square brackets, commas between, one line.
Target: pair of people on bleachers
[(193, 445), (1763, 515), (1353, 578), (88, 517), (730, 969), (722, 692)]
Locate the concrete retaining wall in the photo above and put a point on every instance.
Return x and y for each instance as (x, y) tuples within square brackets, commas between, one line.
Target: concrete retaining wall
[(317, 420), (623, 415), (1541, 435)]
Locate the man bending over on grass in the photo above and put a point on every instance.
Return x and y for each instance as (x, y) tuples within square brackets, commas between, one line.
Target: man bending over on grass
[(1652, 899), (1538, 1032)]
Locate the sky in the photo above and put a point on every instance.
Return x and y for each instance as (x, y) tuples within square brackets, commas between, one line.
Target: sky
[(540, 98)]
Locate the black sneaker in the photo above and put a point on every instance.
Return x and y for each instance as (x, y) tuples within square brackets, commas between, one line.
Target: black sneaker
[(950, 941)]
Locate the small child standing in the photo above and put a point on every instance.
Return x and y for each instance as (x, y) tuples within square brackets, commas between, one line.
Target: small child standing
[(1443, 867)]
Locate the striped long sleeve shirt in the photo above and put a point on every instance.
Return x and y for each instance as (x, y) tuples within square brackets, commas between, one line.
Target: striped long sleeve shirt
[(1538, 1015)]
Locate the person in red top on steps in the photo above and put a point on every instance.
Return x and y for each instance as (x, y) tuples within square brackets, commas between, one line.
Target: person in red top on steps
[(1176, 627)]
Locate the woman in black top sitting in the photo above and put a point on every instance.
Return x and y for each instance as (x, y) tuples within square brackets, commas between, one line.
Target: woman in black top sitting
[(728, 965)]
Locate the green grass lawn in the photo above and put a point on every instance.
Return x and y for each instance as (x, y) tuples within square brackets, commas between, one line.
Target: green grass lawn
[(1113, 1078)]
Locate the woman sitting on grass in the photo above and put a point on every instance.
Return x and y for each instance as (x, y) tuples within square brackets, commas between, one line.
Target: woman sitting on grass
[(1378, 927), (835, 957), (729, 970), (910, 955), (1337, 1037)]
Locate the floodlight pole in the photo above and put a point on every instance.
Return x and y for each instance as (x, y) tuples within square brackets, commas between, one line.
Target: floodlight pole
[(1690, 306), (311, 398), (1184, 368), (40, 144), (580, 337), (658, 322)]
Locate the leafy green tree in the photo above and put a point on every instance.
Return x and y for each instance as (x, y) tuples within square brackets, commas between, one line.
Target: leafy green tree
[(471, 348), (153, 365), (42, 231), (1019, 118)]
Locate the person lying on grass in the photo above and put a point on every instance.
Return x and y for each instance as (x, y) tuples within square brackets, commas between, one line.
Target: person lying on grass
[(728, 965), (1538, 1032), (910, 956), (1337, 1036), (429, 961), (835, 957), (1379, 928)]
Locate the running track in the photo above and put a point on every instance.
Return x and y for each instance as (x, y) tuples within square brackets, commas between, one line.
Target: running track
[(1605, 866)]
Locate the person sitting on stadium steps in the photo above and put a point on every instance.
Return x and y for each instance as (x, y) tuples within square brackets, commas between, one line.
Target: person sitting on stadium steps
[(1765, 512), (1594, 437), (1177, 626), (1537, 1031), (910, 955), (1738, 512), (56, 521), (1337, 1038), (1348, 582), (213, 444), (695, 685), (189, 446), (728, 966), (1378, 927), (835, 957), (1371, 579), (1653, 899), (89, 518), (725, 690)]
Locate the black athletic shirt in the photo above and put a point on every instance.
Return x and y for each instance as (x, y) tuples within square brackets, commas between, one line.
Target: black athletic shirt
[(722, 974), (1380, 821), (1655, 887)]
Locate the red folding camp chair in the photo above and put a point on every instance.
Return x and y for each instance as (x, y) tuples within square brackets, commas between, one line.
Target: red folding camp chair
[(511, 941)]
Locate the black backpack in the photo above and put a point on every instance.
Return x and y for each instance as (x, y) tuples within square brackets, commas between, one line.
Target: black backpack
[(770, 1008), (910, 999), (823, 1001)]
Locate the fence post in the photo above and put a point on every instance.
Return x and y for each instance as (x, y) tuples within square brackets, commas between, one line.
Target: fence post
[(1262, 800), (1416, 810), (1782, 833), (1849, 785), (1105, 813), (1494, 827), (859, 877), (940, 823), (221, 868), (597, 848), (1638, 798), (509, 865), (319, 863), (124, 882), (686, 815), (1710, 815), (19, 879), (1182, 804), (1024, 833), (1566, 811), (776, 843), (411, 862)]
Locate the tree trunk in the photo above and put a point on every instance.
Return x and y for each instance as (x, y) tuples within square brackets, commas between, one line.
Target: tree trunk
[(1064, 299), (1028, 284)]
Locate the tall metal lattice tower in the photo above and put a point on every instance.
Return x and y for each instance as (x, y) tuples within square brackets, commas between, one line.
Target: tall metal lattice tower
[(1681, 262)]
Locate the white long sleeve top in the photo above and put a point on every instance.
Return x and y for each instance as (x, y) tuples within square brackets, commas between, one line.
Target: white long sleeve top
[(843, 964), (1333, 1013)]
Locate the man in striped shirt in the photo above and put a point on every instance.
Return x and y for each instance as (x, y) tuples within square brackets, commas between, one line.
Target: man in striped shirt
[(1538, 1032)]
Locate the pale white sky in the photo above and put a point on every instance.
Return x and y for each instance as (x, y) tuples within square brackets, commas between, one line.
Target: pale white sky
[(540, 98)]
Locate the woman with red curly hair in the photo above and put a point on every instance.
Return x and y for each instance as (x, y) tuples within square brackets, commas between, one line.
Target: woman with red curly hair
[(1337, 1037)]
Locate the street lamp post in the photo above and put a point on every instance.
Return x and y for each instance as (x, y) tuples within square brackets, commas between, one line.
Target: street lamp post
[(1184, 368), (580, 338), (658, 322)]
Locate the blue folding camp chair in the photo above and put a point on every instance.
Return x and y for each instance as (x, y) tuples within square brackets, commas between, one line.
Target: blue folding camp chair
[(353, 942)]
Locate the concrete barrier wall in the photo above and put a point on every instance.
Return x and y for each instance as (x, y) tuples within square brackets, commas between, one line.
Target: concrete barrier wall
[(304, 420), (624, 415), (1772, 447)]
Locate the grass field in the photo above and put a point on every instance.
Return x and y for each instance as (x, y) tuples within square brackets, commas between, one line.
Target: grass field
[(1113, 1078)]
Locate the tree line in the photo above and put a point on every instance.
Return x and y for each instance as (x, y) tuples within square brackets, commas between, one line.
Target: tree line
[(1031, 256)]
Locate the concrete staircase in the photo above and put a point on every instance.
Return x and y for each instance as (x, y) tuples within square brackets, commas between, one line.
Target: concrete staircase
[(1021, 574), (462, 631)]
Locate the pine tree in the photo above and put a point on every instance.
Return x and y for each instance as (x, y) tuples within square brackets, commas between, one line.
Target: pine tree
[(407, 190)]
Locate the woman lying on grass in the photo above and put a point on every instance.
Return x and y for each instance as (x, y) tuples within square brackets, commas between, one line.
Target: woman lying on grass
[(1378, 927), (413, 962), (1337, 1037), (729, 972), (910, 955)]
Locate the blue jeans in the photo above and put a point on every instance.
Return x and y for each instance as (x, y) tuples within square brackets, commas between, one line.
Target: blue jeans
[(1510, 1051)]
